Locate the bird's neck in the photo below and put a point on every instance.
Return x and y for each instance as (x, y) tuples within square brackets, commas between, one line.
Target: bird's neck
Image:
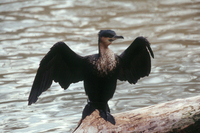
[(106, 61), (103, 50)]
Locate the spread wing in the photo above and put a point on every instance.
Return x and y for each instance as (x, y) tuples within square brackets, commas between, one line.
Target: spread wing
[(60, 64), (135, 61)]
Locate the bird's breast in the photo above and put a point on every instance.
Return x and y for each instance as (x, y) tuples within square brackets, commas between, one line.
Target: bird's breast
[(105, 64)]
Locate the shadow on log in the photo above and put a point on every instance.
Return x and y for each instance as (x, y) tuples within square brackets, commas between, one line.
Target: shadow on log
[(181, 115)]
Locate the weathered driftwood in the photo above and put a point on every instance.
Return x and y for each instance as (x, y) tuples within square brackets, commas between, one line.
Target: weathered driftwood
[(181, 115)]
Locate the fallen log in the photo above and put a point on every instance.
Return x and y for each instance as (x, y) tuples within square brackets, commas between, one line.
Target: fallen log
[(181, 115)]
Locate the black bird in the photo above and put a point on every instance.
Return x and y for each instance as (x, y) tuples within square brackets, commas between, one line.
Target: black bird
[(99, 72)]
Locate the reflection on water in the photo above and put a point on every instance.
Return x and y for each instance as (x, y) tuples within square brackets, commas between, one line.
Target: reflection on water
[(29, 28)]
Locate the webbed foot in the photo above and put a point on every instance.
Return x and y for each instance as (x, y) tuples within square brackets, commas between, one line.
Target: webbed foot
[(107, 116), (104, 113)]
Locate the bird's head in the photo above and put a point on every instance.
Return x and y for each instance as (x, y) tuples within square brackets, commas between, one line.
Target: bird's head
[(106, 37)]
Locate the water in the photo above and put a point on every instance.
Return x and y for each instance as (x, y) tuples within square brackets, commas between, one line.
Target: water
[(29, 28)]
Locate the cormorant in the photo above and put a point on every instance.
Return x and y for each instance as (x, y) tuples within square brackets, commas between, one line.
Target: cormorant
[(99, 72)]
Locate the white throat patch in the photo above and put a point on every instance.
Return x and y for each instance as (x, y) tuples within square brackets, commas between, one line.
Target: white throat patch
[(106, 62)]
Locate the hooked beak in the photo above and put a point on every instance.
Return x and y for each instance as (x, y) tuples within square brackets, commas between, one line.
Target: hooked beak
[(116, 37)]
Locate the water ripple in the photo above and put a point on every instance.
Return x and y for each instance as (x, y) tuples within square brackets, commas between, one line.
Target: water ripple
[(30, 28)]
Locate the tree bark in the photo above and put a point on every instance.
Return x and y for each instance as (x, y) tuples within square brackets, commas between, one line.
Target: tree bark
[(181, 115)]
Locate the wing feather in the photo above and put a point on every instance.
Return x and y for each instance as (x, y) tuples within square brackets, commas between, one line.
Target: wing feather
[(60, 64), (135, 61)]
